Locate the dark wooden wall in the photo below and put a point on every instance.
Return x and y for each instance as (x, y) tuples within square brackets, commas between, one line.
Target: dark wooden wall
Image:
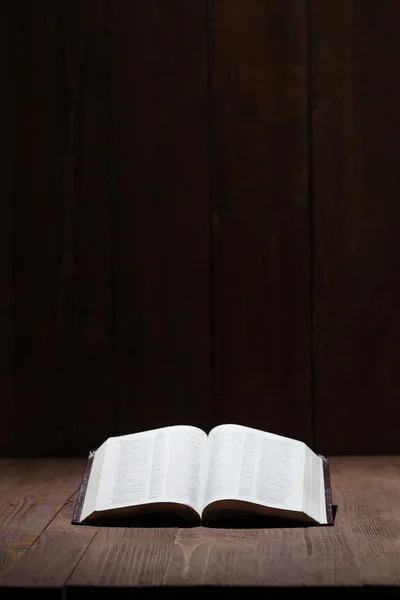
[(199, 220)]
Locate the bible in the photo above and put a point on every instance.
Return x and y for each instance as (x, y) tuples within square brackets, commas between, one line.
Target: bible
[(182, 471)]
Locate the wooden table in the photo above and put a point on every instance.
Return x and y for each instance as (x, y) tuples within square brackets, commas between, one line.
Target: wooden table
[(39, 548)]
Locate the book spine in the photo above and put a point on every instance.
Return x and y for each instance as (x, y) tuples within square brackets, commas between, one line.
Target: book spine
[(76, 518), (328, 490)]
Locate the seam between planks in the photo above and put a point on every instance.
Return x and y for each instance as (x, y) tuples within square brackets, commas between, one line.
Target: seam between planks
[(65, 584), (168, 562), (311, 215), (38, 536)]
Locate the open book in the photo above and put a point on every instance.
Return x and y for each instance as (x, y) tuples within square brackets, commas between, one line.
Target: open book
[(181, 470)]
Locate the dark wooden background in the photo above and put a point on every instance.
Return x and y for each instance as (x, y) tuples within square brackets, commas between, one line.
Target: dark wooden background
[(200, 220)]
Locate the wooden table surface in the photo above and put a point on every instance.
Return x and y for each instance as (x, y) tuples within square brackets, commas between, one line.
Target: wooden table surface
[(39, 548)]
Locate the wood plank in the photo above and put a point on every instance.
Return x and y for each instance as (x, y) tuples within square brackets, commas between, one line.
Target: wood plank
[(261, 249), (161, 218), (54, 555), (63, 292), (8, 422), (360, 549), (86, 371), (32, 492), (121, 557), (355, 47)]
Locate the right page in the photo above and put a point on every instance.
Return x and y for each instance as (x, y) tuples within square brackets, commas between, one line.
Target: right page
[(266, 470)]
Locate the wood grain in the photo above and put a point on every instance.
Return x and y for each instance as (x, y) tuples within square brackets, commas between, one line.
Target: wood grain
[(355, 46), (161, 213), (44, 567), (121, 557), (9, 418), (32, 492), (261, 249), (360, 549), (62, 257)]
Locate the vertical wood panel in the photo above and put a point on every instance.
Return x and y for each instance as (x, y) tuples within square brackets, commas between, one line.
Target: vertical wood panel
[(261, 215), (63, 294), (356, 96), (8, 421), (161, 218)]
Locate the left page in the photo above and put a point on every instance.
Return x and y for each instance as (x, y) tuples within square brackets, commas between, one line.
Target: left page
[(164, 465), (92, 488)]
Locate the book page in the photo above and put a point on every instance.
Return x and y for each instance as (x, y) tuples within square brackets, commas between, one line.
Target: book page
[(89, 504), (161, 465), (254, 466), (314, 503)]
